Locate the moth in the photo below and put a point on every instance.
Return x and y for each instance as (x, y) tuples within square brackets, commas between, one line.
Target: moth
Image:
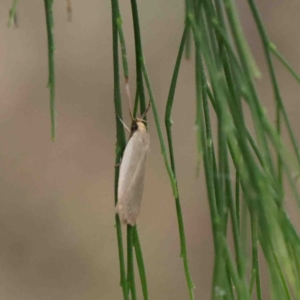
[(132, 172)]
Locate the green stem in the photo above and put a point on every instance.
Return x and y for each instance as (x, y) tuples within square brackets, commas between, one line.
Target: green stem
[(282, 277), (123, 44), (255, 262), (242, 291), (159, 131), (130, 265), (51, 65), (281, 58), (168, 123), (138, 56), (121, 142), (140, 262), (278, 99), (237, 199)]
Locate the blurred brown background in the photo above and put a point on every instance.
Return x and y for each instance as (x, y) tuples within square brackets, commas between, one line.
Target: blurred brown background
[(57, 233)]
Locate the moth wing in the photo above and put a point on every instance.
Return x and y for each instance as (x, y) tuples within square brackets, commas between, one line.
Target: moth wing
[(131, 177)]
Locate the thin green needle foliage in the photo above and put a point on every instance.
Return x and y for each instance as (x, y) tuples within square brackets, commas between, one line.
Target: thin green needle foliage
[(138, 56), (130, 263), (51, 65), (232, 83), (168, 123), (286, 64), (140, 262)]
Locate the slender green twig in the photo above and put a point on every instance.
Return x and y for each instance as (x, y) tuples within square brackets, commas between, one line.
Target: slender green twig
[(242, 44), (255, 261), (130, 264), (282, 277), (140, 262), (279, 103), (51, 65), (281, 58), (12, 13), (120, 145), (237, 199), (205, 136), (159, 131), (123, 44), (278, 99), (138, 55), (188, 33), (168, 123), (242, 291)]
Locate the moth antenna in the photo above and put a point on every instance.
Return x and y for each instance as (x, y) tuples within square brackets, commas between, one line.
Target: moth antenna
[(126, 127), (129, 99), (146, 111)]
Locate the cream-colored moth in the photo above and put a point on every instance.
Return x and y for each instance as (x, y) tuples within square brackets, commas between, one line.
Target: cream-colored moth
[(132, 172)]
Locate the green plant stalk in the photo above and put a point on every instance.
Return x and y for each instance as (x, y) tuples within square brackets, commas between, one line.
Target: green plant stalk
[(168, 123), (240, 123), (140, 262), (120, 145), (12, 13), (235, 227), (278, 99), (233, 210), (248, 134), (232, 56), (244, 228), (222, 144), (130, 264), (123, 46), (241, 289), (159, 131), (188, 32), (279, 103), (229, 285), (286, 64), (205, 136), (254, 105), (252, 281), (211, 175), (122, 42), (252, 67), (138, 56), (220, 173), (283, 280), (255, 261), (237, 199), (250, 165), (296, 266), (51, 64)]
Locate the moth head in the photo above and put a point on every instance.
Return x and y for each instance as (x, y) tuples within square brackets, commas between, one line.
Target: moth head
[(138, 124)]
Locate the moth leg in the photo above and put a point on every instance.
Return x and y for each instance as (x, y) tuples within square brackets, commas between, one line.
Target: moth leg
[(125, 126), (147, 109)]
